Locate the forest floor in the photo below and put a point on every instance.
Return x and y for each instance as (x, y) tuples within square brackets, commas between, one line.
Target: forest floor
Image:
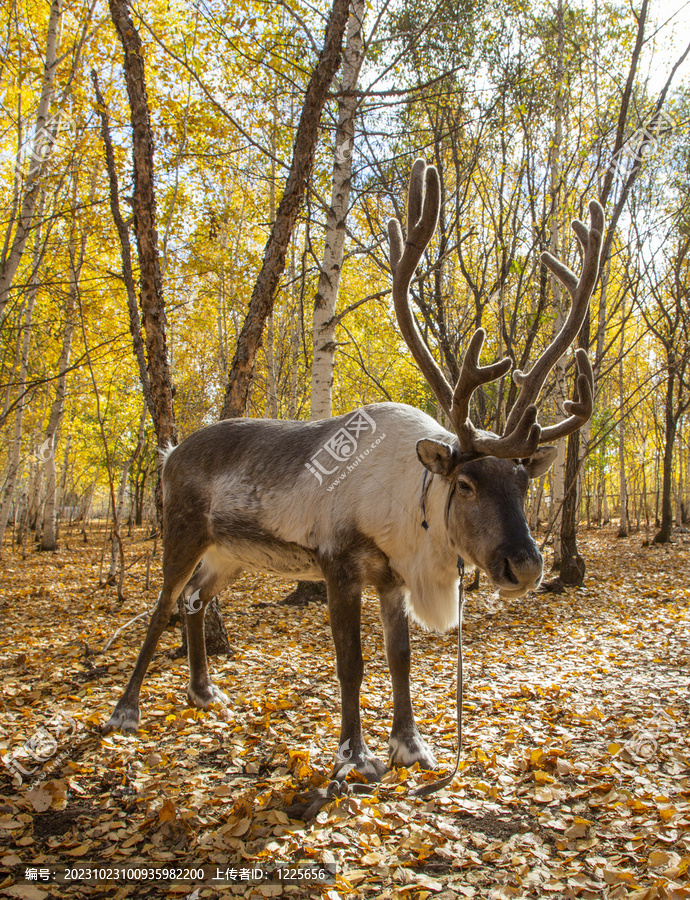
[(575, 776)]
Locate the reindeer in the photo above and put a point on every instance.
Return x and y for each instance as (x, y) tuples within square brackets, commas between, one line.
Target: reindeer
[(383, 497)]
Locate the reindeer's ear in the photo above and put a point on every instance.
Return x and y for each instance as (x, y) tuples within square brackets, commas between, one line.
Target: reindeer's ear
[(540, 461), (436, 456)]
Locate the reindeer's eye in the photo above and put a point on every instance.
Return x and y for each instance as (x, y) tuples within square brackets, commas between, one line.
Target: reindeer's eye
[(465, 487)]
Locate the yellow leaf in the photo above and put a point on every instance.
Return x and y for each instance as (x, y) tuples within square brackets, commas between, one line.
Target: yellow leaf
[(537, 758), (618, 876), (167, 812), (356, 875), (543, 778)]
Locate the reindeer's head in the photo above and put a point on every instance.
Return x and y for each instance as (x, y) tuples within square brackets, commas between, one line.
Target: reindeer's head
[(487, 474)]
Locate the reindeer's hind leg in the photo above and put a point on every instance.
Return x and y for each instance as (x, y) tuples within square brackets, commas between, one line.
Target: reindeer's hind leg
[(178, 568), (405, 743), (214, 574)]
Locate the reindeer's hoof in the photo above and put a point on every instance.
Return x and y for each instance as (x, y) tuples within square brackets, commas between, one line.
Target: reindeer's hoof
[(203, 696), (411, 749), (124, 718), (361, 760), (372, 768)]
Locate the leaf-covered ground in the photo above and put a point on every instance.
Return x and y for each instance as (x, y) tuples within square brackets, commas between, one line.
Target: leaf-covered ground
[(575, 777)]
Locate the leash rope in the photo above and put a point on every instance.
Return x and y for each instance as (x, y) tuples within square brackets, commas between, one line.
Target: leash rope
[(444, 782)]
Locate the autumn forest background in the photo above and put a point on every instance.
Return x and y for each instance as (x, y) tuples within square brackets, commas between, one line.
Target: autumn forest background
[(528, 112), (194, 200)]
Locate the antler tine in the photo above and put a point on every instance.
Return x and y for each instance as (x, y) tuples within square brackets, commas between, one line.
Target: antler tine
[(424, 201), (521, 442), (522, 433), (472, 375), (580, 289), (580, 409)]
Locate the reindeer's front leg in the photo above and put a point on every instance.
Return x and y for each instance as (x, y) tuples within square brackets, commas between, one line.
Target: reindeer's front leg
[(344, 607), (405, 743)]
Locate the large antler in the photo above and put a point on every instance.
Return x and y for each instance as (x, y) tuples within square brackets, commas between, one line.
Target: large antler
[(522, 434), (580, 289), (423, 205)]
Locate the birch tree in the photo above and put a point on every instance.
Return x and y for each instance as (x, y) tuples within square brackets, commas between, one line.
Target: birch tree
[(77, 249), (324, 321), (45, 133), (14, 461), (669, 320), (273, 264), (622, 474), (622, 168)]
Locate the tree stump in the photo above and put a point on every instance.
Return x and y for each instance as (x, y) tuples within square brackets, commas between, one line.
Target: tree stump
[(306, 592)]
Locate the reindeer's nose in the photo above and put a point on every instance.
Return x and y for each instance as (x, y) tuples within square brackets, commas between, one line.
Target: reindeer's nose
[(517, 571)]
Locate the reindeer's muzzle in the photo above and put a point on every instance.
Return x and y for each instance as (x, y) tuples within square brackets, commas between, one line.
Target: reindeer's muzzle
[(516, 571)]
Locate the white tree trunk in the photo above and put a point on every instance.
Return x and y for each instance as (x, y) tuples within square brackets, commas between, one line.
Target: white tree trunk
[(645, 500), (331, 268), (120, 501), (536, 504), (117, 519), (49, 536), (558, 480), (60, 493), (269, 332), (14, 463), (622, 474), (558, 492), (605, 502), (269, 339), (87, 502), (13, 467), (45, 130), (679, 494), (294, 339)]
